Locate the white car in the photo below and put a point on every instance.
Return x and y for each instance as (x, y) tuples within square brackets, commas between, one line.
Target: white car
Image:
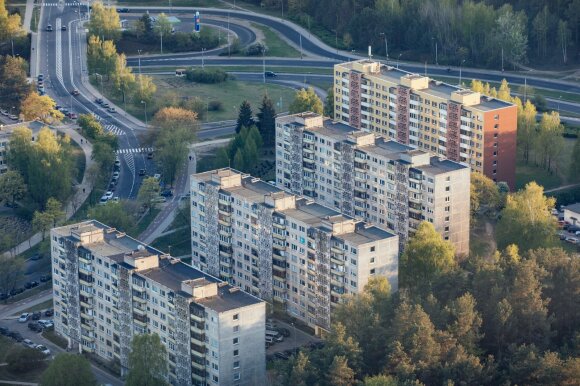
[(43, 349), (112, 109), (157, 176), (29, 343), (24, 317), (109, 195), (46, 323)]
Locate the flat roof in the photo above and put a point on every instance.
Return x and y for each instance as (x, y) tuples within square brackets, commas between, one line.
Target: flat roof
[(573, 207), (436, 88), (170, 273)]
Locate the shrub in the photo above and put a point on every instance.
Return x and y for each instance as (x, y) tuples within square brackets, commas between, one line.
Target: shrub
[(256, 49), (23, 359), (206, 75), (215, 106)]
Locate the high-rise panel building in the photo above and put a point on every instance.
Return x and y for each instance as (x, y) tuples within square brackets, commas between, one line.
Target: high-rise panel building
[(368, 177), (445, 120), (109, 287), (283, 247)]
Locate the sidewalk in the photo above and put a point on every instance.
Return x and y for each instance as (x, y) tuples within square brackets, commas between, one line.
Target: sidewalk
[(28, 15), (78, 198)]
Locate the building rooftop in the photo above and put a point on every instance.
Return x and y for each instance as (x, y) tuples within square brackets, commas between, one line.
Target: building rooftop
[(435, 88), (170, 273), (573, 207)]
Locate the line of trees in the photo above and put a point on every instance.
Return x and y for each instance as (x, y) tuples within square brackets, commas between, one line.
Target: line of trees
[(206, 75), (462, 29)]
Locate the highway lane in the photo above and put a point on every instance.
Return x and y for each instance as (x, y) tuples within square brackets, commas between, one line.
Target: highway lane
[(61, 59)]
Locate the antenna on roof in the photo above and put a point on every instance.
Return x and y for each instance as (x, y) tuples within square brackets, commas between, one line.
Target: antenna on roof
[(370, 53)]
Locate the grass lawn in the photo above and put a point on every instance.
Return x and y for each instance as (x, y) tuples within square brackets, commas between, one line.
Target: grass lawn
[(39, 307), (231, 93), (80, 162), (276, 45), (55, 338), (146, 220), (530, 172), (323, 70), (34, 375), (179, 241), (30, 292)]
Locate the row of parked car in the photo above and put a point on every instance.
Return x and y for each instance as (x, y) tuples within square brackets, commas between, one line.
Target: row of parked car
[(27, 286), (7, 114), (26, 342)]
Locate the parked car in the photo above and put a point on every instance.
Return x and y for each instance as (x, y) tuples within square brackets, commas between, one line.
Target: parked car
[(4, 296), (284, 331), (4, 331), (24, 317), (112, 109), (109, 195), (43, 349), (282, 356), (45, 278), (116, 175), (63, 28), (571, 240), (72, 115), (105, 105), (166, 193), (46, 323), (117, 162), (142, 172), (34, 326), (123, 10), (149, 155), (36, 256), (36, 315), (49, 312), (40, 77), (16, 336), (99, 101)]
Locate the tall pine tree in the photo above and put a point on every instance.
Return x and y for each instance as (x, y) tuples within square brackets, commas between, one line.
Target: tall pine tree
[(245, 117), (267, 123)]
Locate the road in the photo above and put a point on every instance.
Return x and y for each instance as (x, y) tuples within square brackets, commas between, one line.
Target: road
[(61, 58), (8, 320)]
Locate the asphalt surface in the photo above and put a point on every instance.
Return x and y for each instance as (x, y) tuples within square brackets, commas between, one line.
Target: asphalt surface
[(60, 62)]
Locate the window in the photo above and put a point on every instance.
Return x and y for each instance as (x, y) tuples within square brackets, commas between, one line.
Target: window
[(236, 328), (236, 364), (373, 249), (236, 353), (372, 271), (237, 376), (372, 260), (215, 378), (236, 317)]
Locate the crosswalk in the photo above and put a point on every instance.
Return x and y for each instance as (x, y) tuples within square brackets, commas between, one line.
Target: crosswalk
[(114, 129), (130, 160), (135, 150)]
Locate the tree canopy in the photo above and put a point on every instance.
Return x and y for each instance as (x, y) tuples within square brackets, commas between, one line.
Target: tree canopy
[(147, 361), (306, 100), (69, 370)]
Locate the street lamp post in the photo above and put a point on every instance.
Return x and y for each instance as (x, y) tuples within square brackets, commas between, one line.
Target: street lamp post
[(386, 46), (161, 35), (101, 78), (398, 60), (301, 52), (264, 64), (436, 58), (145, 104), (202, 58), (463, 61), (139, 51)]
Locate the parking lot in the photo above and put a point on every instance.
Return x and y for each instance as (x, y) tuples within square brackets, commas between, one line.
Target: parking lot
[(296, 339)]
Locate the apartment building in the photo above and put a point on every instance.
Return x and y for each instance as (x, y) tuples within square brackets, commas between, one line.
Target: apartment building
[(430, 115), (283, 247), (368, 177), (109, 287), (5, 135)]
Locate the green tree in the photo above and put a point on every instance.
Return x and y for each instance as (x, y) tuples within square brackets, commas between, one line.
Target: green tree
[(465, 323), (116, 215), (306, 100), (143, 89), (176, 129), (504, 92), (267, 121), (339, 373), (245, 116), (14, 86), (23, 359), (549, 142), (526, 220), (12, 186), (69, 370), (11, 272), (123, 77), (19, 150), (104, 22), (527, 128), (329, 103), (238, 163), (90, 126), (485, 195), (54, 210), (147, 361), (41, 222), (148, 191), (301, 371), (426, 256), (510, 33), (162, 26), (381, 380)]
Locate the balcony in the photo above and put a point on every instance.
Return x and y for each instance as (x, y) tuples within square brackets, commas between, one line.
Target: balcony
[(198, 339), (138, 299)]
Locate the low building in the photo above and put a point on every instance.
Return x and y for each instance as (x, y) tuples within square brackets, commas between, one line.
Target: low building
[(109, 287), (283, 247), (572, 214)]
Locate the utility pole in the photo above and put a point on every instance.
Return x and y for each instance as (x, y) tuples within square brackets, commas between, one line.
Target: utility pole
[(161, 34), (502, 59), (301, 52), (386, 46), (264, 64)]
